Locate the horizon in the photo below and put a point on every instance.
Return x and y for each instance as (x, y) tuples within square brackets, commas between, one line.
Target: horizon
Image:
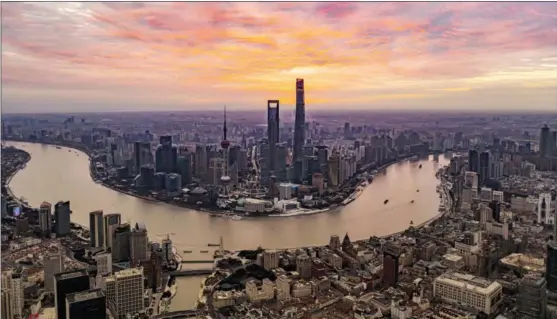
[(356, 57)]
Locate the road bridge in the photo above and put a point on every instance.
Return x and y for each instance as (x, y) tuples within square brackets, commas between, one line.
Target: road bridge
[(178, 314), (193, 272), (197, 261)]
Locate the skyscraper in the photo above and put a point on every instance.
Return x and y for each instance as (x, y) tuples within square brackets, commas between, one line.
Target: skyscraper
[(96, 228), (299, 122), (273, 130), (545, 142), (111, 221), (121, 243), (551, 262), (473, 161), (166, 155), (62, 217), (45, 218), (52, 264), (138, 244), (225, 144), (90, 304), (66, 283), (484, 167)]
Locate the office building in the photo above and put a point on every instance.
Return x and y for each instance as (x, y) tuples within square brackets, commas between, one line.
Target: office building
[(142, 155), (121, 243), (303, 266), (167, 253), (270, 259), (166, 155), (473, 161), (111, 222), (468, 290), (62, 217), (45, 218), (127, 288), (67, 283), (53, 264), (90, 304), (273, 130), (532, 297), (391, 255), (185, 168), (138, 244), (545, 142), (104, 263), (96, 229), (299, 122), (485, 167), (545, 212)]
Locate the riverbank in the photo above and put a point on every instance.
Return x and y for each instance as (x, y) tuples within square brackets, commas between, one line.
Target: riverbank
[(347, 201)]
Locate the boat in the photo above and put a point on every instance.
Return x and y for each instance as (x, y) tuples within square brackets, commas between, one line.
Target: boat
[(70, 151), (215, 215), (236, 217), (204, 251), (213, 245), (412, 202), (58, 147), (187, 251), (420, 166), (417, 191), (386, 201)]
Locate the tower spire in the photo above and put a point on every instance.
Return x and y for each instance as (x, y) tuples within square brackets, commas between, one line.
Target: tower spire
[(224, 128)]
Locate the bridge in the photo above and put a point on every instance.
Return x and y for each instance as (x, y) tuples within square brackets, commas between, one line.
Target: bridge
[(178, 314), (197, 261), (193, 272)]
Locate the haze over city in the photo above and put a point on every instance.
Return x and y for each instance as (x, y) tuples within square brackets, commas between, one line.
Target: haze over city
[(60, 57)]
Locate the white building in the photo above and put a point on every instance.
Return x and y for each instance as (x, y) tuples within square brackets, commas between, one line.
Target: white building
[(128, 292), (471, 179), (104, 263), (285, 190), (498, 196), (16, 291), (265, 293), (545, 209), (283, 287), (465, 289), (45, 217)]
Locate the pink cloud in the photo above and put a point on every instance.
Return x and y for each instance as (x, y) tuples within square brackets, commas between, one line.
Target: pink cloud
[(112, 46)]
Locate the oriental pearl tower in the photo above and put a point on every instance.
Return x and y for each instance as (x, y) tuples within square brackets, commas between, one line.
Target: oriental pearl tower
[(225, 144)]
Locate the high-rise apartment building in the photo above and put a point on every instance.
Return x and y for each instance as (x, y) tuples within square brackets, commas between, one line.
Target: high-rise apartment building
[(62, 218), (96, 228), (485, 167), (16, 293), (391, 255), (67, 283), (273, 130), (299, 122), (473, 161), (45, 218), (6, 307), (111, 222), (270, 259), (166, 155), (128, 292), (90, 304)]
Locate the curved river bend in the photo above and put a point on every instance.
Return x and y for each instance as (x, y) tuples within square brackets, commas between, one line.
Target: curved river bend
[(58, 174)]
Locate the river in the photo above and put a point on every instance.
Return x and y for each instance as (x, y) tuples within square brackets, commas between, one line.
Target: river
[(55, 174)]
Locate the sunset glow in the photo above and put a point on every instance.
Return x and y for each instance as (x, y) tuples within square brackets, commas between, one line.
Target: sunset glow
[(186, 56)]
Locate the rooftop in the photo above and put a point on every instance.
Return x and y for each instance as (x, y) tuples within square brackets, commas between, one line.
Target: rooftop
[(70, 274), (469, 282), (84, 295)]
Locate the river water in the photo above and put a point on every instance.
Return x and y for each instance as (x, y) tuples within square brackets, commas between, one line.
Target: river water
[(62, 174)]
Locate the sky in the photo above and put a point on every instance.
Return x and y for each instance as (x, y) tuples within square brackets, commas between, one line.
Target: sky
[(127, 56)]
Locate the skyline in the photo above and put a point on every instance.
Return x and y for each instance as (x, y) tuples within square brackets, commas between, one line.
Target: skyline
[(97, 57)]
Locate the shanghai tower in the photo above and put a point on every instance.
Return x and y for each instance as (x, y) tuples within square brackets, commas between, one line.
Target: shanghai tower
[(299, 123)]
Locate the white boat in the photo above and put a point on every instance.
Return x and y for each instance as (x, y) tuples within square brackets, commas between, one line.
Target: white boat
[(236, 217)]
